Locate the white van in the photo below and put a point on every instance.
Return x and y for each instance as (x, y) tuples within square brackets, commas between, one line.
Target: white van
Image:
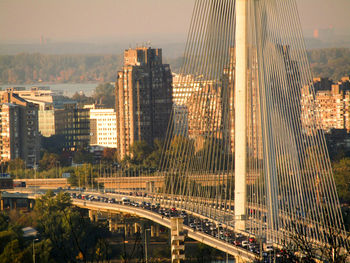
[(268, 247), (126, 201)]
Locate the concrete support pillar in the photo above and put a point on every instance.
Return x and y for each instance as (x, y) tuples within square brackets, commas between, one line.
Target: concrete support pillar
[(152, 230), (126, 230), (129, 229), (136, 227), (132, 229), (110, 224), (241, 113), (177, 239), (120, 228), (157, 230), (92, 216), (238, 259)]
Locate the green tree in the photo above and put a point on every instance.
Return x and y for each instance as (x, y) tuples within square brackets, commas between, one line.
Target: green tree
[(105, 94), (49, 161), (53, 144), (43, 251), (176, 159), (82, 156), (14, 253), (153, 159), (4, 221), (108, 155), (341, 171), (140, 150), (82, 99), (15, 164), (70, 234)]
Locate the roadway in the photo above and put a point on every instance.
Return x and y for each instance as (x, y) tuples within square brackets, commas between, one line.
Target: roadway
[(160, 216)]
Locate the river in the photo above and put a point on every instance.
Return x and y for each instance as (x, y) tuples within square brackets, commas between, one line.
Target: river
[(68, 89)]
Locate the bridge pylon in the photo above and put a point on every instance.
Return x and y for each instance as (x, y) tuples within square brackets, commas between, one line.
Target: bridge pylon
[(240, 114)]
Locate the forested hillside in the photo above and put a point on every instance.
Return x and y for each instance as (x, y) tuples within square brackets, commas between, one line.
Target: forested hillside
[(28, 68), (32, 68), (333, 63)]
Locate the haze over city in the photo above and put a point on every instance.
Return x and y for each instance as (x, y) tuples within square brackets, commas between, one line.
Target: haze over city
[(130, 22), (118, 146)]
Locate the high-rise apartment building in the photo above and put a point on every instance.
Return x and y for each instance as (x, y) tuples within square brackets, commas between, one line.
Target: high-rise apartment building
[(19, 135), (143, 98), (9, 131)]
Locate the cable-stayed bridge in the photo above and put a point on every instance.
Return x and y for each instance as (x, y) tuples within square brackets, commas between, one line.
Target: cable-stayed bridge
[(248, 118), (244, 147)]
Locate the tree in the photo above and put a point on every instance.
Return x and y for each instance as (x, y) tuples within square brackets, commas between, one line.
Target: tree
[(341, 171), (179, 145), (105, 94), (298, 248), (15, 164), (72, 236), (108, 154), (82, 156), (4, 221), (82, 99), (48, 161), (153, 159), (140, 150), (53, 144), (14, 253)]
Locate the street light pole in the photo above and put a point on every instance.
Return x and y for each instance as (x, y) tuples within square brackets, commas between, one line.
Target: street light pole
[(146, 250), (33, 252), (34, 239)]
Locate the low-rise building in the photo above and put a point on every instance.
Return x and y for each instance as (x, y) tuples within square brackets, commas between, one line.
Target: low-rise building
[(48, 102), (74, 125), (103, 128), (332, 101)]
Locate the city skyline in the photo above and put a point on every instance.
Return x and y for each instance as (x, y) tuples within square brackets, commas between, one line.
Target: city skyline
[(159, 21)]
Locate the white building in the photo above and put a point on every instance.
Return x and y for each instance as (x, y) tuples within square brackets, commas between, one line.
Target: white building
[(103, 128)]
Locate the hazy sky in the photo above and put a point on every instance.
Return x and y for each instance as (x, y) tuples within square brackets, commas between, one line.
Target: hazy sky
[(117, 20)]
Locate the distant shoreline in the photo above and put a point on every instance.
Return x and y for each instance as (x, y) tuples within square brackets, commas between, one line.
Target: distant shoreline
[(34, 84), (68, 89)]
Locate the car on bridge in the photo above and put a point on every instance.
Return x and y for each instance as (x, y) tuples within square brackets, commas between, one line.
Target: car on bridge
[(126, 200), (245, 243)]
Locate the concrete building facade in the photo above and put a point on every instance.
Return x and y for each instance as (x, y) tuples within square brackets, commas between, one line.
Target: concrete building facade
[(332, 102), (19, 129), (48, 102), (103, 128), (143, 98), (74, 125)]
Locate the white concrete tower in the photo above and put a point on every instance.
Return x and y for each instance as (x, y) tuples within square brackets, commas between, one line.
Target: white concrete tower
[(241, 113)]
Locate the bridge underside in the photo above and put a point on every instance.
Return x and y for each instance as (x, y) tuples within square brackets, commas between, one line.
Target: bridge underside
[(238, 252)]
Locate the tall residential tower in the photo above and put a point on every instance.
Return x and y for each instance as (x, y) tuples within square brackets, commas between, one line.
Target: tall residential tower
[(143, 98)]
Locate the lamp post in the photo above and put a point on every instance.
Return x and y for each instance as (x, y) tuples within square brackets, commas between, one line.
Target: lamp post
[(146, 250), (35, 168), (58, 165), (34, 239)]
